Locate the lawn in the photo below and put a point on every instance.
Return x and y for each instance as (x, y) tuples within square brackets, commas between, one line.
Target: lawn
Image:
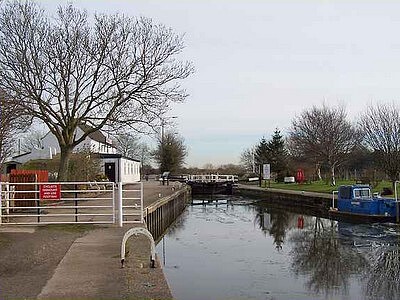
[(322, 186)]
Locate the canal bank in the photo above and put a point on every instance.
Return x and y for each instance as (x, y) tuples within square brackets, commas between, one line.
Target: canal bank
[(87, 266), (313, 202)]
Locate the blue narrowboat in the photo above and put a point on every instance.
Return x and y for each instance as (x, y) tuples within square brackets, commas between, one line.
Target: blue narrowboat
[(357, 203)]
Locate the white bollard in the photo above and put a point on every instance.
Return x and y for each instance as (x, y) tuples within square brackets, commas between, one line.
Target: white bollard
[(136, 231)]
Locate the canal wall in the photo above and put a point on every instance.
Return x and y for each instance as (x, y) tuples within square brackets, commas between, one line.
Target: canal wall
[(161, 214), (311, 201)]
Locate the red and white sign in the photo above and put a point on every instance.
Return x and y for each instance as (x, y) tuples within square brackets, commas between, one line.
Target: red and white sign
[(50, 191)]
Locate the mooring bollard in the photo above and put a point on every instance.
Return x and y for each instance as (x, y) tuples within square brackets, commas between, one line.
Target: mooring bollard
[(136, 231)]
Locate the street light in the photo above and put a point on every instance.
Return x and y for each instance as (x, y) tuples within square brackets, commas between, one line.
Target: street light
[(163, 123)]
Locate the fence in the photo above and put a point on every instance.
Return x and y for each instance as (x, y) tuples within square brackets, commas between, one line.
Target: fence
[(162, 214), (41, 175), (57, 203)]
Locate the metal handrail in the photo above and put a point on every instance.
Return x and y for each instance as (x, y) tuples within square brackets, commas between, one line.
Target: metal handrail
[(333, 198)]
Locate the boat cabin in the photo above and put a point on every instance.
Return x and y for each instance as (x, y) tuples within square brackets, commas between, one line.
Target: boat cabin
[(358, 199)]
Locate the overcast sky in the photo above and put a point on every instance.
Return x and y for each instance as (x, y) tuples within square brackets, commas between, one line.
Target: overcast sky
[(261, 63)]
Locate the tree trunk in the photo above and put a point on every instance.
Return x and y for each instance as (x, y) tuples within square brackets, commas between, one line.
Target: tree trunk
[(333, 182), (64, 162), (318, 171)]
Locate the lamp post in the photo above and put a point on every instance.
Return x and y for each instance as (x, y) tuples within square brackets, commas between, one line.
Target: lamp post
[(163, 123)]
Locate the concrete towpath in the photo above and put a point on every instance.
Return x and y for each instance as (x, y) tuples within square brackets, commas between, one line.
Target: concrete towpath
[(90, 268)]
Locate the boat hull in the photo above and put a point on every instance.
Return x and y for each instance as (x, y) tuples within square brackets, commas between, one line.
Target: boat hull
[(360, 218)]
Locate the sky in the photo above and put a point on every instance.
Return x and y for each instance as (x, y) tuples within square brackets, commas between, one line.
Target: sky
[(259, 64)]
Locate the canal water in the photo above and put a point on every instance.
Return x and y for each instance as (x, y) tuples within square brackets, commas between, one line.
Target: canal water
[(237, 249)]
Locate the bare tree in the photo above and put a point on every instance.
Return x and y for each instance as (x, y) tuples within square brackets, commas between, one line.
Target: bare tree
[(129, 145), (247, 159), (32, 139), (380, 125), (324, 135), (114, 73), (11, 123)]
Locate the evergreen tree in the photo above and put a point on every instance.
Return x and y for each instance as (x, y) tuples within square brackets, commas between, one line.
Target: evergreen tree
[(262, 152), (277, 154), (273, 152)]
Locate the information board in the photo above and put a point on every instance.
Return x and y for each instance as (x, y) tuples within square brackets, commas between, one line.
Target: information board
[(266, 171), (50, 191)]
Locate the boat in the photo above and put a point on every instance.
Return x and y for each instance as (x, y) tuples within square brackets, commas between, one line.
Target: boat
[(357, 203)]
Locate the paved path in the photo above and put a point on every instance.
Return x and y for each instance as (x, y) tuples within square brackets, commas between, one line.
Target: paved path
[(90, 268)]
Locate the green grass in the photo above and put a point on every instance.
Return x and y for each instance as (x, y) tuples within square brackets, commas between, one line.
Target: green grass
[(321, 186)]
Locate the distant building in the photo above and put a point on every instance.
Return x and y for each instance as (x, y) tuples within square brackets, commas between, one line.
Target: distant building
[(115, 166)]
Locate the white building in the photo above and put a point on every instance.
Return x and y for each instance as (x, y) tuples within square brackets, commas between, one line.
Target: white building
[(118, 168), (96, 141), (115, 166)]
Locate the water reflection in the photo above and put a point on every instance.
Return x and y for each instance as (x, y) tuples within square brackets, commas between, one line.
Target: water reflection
[(331, 254), (380, 245), (309, 256), (383, 278), (274, 222), (328, 263)]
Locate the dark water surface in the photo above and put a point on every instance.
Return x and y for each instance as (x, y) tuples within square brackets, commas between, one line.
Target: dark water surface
[(241, 250)]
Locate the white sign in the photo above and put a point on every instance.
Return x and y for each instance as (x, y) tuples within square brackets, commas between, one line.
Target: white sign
[(266, 171)]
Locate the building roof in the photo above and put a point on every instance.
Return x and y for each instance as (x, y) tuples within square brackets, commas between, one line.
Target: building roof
[(109, 155), (97, 136), (22, 154)]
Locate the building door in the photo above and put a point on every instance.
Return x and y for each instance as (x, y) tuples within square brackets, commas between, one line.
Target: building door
[(11, 167), (109, 170)]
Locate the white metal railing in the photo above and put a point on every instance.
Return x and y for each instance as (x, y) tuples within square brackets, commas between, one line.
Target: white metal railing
[(130, 203), (213, 178), (57, 203), (333, 198)]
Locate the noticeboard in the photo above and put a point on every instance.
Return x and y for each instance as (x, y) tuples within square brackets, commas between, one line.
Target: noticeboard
[(266, 171), (50, 191)]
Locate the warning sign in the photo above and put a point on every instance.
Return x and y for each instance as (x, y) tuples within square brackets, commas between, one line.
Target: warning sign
[(50, 192)]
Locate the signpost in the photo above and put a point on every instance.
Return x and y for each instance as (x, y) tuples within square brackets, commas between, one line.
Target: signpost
[(50, 191), (266, 171)]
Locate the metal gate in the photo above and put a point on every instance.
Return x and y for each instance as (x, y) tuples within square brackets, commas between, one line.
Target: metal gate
[(57, 203), (130, 203), (71, 202)]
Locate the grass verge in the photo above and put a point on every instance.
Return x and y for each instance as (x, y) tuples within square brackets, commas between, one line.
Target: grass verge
[(322, 186)]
